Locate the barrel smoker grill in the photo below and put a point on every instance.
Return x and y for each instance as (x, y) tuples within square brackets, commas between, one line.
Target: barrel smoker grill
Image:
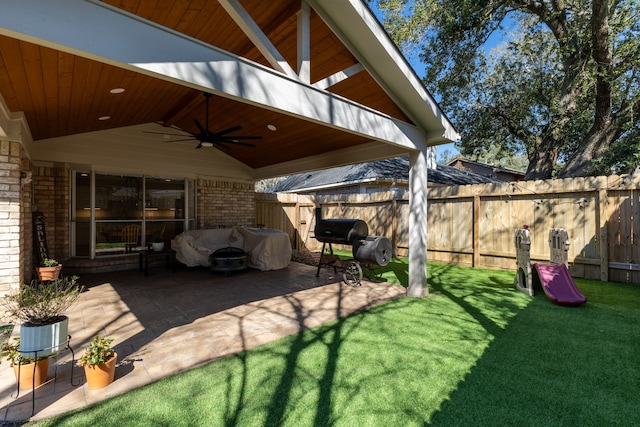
[(353, 232)]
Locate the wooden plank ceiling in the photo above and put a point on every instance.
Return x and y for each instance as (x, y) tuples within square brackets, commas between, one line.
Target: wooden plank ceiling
[(63, 94)]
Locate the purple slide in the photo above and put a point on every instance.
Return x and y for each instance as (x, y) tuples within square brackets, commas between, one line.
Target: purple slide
[(558, 285)]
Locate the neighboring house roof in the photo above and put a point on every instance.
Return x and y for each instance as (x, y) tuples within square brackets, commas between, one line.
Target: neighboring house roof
[(498, 173), (387, 170)]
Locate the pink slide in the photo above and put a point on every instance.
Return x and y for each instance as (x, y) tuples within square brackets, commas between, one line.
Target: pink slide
[(558, 285)]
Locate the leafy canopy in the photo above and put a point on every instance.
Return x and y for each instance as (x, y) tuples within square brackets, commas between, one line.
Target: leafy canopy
[(561, 90)]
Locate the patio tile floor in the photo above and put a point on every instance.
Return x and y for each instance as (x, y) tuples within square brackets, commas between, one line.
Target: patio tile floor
[(184, 320)]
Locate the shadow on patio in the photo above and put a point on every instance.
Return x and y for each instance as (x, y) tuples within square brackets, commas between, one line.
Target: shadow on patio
[(167, 323)]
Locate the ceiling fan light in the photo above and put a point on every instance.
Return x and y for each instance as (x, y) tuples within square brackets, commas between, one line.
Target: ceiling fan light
[(207, 144)]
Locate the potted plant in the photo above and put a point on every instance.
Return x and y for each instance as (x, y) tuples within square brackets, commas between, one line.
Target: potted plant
[(41, 308), (99, 361), (49, 269), (30, 372), (157, 243)]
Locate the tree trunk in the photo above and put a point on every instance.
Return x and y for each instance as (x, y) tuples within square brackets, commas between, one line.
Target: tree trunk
[(542, 158), (592, 147), (603, 131)]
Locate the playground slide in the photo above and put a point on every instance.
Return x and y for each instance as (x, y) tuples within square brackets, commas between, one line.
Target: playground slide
[(558, 285)]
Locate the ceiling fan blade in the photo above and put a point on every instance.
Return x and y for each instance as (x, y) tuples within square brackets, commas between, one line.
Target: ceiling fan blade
[(205, 137), (222, 132), (203, 131)]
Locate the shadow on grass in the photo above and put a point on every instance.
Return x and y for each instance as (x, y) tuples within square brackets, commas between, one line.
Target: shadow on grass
[(557, 365), (475, 352)]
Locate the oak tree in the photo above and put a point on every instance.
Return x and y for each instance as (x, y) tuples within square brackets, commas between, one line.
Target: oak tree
[(563, 89)]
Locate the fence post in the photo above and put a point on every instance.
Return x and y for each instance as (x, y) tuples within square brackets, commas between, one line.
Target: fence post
[(476, 230), (602, 222), (394, 225)]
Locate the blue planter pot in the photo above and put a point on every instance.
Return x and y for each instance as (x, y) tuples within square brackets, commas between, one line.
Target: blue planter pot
[(44, 339)]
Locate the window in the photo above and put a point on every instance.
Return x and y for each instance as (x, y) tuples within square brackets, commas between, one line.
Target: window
[(115, 214)]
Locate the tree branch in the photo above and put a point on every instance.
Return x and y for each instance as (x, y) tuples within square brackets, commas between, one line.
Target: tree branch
[(514, 128)]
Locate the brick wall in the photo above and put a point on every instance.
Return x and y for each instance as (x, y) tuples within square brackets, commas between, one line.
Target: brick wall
[(51, 197), (220, 204), (225, 204), (11, 259), (26, 237)]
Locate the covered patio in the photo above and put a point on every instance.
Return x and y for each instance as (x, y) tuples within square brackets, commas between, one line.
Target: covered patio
[(102, 116), (167, 323), (103, 124)]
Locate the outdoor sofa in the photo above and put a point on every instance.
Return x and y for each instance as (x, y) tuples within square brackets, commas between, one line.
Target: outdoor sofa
[(266, 249)]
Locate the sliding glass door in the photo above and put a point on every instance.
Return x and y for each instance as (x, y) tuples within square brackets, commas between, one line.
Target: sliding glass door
[(116, 214)]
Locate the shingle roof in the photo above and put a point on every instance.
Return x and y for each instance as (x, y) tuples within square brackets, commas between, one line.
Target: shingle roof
[(387, 169)]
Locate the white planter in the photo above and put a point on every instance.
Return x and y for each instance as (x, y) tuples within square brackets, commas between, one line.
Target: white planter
[(157, 246), (43, 339)]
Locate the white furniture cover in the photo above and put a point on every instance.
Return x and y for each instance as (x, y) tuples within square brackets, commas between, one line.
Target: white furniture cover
[(268, 249)]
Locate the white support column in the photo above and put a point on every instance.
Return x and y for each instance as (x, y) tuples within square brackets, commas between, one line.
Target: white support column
[(418, 225), (304, 43)]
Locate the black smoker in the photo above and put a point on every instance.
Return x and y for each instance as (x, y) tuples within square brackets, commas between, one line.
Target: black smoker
[(354, 232)]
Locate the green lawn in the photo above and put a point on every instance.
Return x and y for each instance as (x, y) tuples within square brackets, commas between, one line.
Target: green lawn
[(474, 352)]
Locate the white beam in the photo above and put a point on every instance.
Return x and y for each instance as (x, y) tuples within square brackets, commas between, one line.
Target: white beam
[(338, 77), (418, 224), (257, 37), (14, 127), (96, 31), (356, 26), (304, 43)]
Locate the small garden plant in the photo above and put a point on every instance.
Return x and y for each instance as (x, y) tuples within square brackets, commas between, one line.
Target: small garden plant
[(43, 303), (49, 262), (98, 352), (11, 353)]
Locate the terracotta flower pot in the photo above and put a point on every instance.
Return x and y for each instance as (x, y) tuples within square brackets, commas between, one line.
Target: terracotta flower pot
[(49, 273), (99, 376), (25, 374)]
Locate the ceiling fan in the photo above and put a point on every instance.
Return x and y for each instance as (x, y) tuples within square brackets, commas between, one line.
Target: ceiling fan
[(207, 138)]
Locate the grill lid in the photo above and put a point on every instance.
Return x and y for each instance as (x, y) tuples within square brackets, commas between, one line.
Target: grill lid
[(341, 231)]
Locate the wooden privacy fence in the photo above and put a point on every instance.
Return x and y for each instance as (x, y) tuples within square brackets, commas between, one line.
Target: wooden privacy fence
[(474, 225)]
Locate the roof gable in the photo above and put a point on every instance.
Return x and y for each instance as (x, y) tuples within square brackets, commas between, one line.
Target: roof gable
[(61, 59)]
